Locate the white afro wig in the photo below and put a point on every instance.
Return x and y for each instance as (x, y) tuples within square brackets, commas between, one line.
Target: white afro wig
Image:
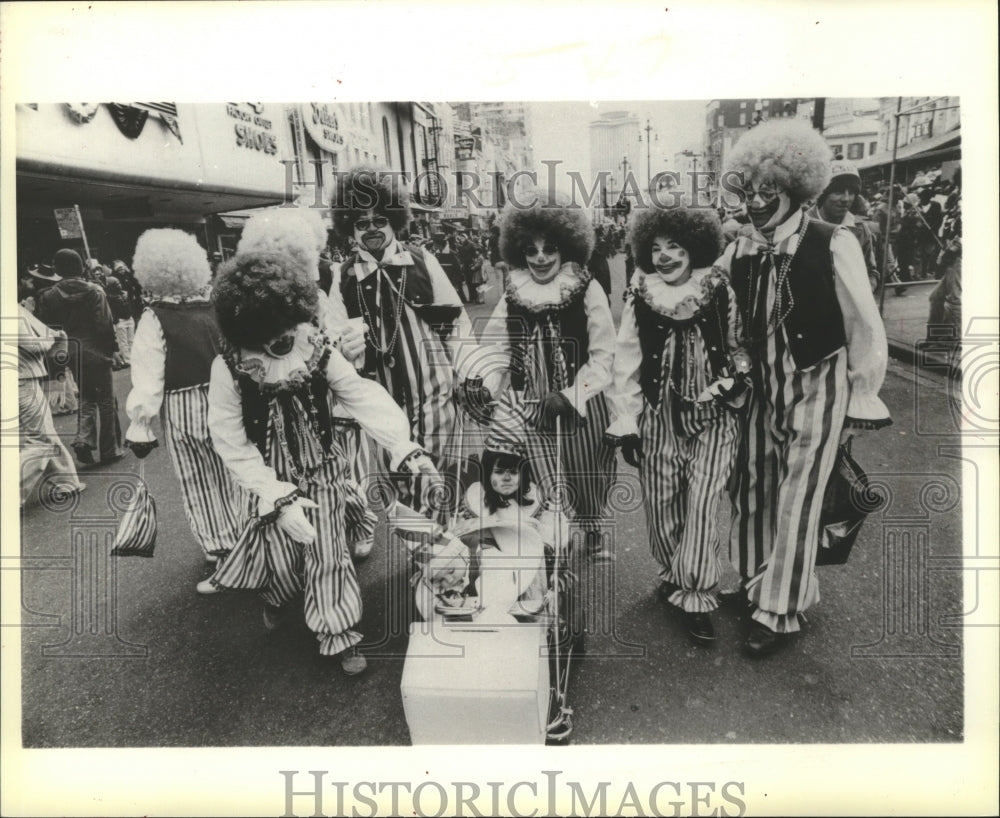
[(295, 231), (170, 262), (788, 153)]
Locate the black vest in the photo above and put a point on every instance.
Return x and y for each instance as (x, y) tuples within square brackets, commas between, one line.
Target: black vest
[(573, 337), (418, 293), (655, 330), (814, 327), (192, 340)]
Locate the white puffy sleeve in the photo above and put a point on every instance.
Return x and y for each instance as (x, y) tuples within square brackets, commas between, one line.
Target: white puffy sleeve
[(149, 360), (242, 458), (867, 347), (595, 375), (625, 395)]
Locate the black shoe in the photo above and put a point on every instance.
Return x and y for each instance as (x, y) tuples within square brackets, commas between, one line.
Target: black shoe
[(83, 454), (699, 627), (738, 597), (666, 590), (762, 641), (107, 460)]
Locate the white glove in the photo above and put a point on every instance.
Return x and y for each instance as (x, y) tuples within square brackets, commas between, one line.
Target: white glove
[(292, 520), (352, 342)]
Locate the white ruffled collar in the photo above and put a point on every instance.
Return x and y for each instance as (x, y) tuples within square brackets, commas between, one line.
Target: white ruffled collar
[(564, 287), (291, 371), (678, 301)]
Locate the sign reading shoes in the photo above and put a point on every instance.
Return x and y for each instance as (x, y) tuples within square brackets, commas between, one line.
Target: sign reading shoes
[(253, 129), (323, 124)]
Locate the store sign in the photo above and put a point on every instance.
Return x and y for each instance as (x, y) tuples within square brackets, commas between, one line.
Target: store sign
[(465, 146), (253, 130), (68, 222), (323, 124)]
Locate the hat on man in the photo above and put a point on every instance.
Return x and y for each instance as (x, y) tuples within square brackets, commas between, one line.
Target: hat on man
[(43, 272), (841, 167), (68, 263)]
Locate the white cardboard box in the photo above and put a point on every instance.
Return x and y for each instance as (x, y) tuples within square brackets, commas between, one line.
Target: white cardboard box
[(476, 685)]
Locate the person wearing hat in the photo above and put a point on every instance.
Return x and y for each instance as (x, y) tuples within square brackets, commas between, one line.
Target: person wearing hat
[(930, 215), (173, 349), (814, 348), (81, 309), (835, 205), (271, 396), (673, 397), (418, 338)]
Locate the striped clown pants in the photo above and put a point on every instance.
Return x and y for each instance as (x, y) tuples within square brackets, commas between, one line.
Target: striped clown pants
[(788, 446), (683, 478), (360, 520), (215, 506)]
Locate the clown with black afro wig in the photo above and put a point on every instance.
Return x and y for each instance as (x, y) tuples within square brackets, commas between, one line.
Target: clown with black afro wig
[(558, 344), (418, 340), (175, 342), (271, 405), (814, 346), (673, 397)]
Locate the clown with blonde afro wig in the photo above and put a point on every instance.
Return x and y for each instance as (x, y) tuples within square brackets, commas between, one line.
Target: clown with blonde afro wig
[(176, 341)]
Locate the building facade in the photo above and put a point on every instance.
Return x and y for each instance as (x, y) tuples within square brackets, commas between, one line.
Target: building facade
[(615, 153)]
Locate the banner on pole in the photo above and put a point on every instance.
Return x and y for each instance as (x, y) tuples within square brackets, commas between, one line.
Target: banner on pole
[(69, 223)]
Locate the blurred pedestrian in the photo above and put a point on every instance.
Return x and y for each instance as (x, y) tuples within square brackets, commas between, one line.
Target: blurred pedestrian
[(42, 452), (124, 323), (81, 309), (597, 264)]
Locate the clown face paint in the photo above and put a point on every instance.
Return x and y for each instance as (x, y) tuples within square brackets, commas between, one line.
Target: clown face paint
[(767, 205), (505, 481), (671, 261), (373, 232), (544, 260)]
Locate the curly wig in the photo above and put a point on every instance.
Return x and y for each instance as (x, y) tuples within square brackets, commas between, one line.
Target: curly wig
[(552, 217), (293, 231), (697, 230), (786, 152), (170, 262), (367, 188), (258, 296)]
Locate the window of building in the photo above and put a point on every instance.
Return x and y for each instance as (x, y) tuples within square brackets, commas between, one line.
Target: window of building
[(856, 150), (743, 106), (357, 156), (721, 121), (371, 116), (743, 119), (386, 143), (872, 147), (837, 149), (767, 103)]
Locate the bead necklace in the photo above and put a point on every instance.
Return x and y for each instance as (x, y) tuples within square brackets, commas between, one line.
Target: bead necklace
[(781, 308), (386, 351), (300, 477), (688, 376)]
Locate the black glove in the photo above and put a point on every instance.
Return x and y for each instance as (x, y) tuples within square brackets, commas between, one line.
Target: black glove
[(556, 405), (140, 450), (477, 400), (630, 445)]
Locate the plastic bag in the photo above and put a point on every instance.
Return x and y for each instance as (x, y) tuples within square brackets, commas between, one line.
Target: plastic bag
[(136, 536), (848, 500)]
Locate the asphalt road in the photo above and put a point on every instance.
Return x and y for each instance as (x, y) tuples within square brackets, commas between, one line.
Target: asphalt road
[(124, 653)]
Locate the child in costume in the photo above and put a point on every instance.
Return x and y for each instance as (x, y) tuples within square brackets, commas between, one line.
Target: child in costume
[(816, 353), (417, 336), (172, 352), (271, 401), (554, 333), (301, 233), (672, 372)]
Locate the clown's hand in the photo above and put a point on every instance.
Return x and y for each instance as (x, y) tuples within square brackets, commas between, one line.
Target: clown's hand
[(848, 433), (419, 463), (352, 341), (556, 405), (292, 520)]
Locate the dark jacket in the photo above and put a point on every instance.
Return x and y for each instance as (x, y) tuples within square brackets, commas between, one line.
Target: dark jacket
[(80, 308)]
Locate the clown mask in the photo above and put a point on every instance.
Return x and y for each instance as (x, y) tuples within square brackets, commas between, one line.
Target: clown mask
[(671, 261), (374, 233), (543, 259), (767, 205)]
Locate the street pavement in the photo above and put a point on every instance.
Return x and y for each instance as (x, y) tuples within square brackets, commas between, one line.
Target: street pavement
[(121, 652)]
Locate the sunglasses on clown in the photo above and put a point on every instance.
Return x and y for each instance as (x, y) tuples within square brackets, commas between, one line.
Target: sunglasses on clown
[(378, 223)]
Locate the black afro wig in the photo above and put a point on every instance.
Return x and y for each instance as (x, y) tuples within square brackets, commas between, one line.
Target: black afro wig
[(565, 225), (367, 188), (697, 230), (258, 296)]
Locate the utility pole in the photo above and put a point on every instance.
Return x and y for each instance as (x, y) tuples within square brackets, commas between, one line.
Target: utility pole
[(649, 143), (819, 113)]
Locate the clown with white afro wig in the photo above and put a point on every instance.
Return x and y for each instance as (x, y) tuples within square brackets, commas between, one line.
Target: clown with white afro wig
[(175, 342), (813, 345)]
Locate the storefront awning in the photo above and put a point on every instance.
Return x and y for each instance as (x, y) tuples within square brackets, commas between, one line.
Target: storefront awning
[(424, 208), (917, 151)]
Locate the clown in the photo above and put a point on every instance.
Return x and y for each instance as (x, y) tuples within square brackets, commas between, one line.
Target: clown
[(556, 338), (300, 233), (271, 401), (672, 380), (417, 336), (816, 353), (172, 351)]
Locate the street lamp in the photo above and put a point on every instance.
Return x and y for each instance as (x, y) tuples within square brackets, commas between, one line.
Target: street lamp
[(694, 172), (649, 172)]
